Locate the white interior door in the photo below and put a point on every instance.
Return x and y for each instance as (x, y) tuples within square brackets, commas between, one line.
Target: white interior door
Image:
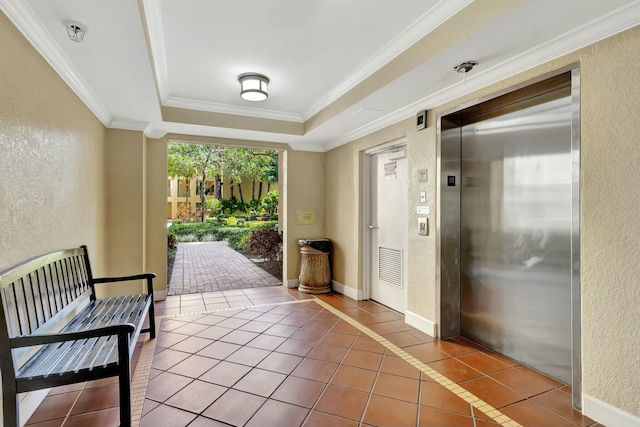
[(388, 228)]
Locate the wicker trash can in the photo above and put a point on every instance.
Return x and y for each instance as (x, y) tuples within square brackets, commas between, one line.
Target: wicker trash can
[(315, 272)]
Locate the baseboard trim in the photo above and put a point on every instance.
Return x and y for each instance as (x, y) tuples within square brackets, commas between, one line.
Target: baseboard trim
[(159, 295), (420, 323), (607, 414), (347, 291), (28, 405), (293, 283)]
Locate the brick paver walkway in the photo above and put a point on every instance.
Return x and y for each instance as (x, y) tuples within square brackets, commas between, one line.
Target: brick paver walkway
[(214, 266)]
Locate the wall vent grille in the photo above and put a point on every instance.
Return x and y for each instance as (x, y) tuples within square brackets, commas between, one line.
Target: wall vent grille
[(390, 264)]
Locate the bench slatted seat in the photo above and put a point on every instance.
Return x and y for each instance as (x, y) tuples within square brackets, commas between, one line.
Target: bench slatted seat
[(56, 331)]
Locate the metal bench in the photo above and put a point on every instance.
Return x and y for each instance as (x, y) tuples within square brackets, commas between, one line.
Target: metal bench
[(54, 331)]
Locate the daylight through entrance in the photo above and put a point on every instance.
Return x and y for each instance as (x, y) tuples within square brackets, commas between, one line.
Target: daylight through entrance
[(222, 218)]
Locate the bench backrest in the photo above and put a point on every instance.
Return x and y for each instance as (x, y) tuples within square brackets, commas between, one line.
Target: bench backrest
[(39, 289)]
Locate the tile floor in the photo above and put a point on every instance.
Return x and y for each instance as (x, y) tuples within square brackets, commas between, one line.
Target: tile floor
[(277, 361)]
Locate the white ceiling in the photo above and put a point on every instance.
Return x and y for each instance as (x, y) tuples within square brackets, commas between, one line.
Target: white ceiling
[(337, 68)]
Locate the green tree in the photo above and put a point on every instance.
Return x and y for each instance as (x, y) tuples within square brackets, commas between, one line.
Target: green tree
[(257, 168), (235, 164), (179, 166), (269, 170), (197, 161), (271, 175)]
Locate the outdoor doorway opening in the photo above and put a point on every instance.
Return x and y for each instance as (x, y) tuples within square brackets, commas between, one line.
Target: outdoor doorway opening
[(223, 230)]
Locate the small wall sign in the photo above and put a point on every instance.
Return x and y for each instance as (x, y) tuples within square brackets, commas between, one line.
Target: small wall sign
[(421, 120), (391, 171), (306, 217)]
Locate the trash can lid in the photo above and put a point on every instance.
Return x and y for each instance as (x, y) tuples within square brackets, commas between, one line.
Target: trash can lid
[(322, 244)]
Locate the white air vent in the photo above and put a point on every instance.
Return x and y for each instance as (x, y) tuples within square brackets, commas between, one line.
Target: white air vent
[(390, 266)]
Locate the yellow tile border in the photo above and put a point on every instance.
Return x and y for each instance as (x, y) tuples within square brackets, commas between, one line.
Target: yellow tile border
[(244, 307), (141, 377), (465, 395)]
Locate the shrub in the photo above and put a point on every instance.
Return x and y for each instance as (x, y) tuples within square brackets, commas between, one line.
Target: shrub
[(253, 207), (187, 238), (266, 243), (225, 232), (239, 240), (244, 244), (214, 206), (209, 237), (185, 215), (260, 225), (232, 221), (233, 205), (270, 202), (172, 244), (197, 228)]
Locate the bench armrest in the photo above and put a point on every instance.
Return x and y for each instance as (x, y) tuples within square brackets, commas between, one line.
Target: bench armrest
[(31, 340), (124, 278), (148, 276)]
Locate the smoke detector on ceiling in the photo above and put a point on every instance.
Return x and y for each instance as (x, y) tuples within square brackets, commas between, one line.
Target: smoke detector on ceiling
[(465, 67), (75, 30)]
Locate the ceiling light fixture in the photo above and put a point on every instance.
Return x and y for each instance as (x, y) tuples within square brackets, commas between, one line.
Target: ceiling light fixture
[(75, 30), (253, 86)]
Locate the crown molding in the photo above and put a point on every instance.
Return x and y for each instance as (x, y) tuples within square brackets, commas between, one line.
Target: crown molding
[(213, 107), (32, 29), (592, 32), (427, 22), (127, 124), (154, 131), (305, 146), (153, 16), (151, 130)]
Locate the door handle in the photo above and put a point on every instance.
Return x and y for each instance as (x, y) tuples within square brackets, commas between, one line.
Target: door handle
[(371, 226)]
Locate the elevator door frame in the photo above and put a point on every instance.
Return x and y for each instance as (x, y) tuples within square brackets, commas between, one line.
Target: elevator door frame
[(448, 291)]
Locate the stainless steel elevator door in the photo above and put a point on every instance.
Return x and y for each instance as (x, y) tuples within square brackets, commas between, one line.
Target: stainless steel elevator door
[(515, 241)]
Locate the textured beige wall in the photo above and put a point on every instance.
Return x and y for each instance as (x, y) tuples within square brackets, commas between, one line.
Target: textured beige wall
[(344, 202), (610, 201), (421, 294), (610, 194), (344, 212), (52, 185), (304, 191), (156, 232), (52, 162), (125, 155)]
